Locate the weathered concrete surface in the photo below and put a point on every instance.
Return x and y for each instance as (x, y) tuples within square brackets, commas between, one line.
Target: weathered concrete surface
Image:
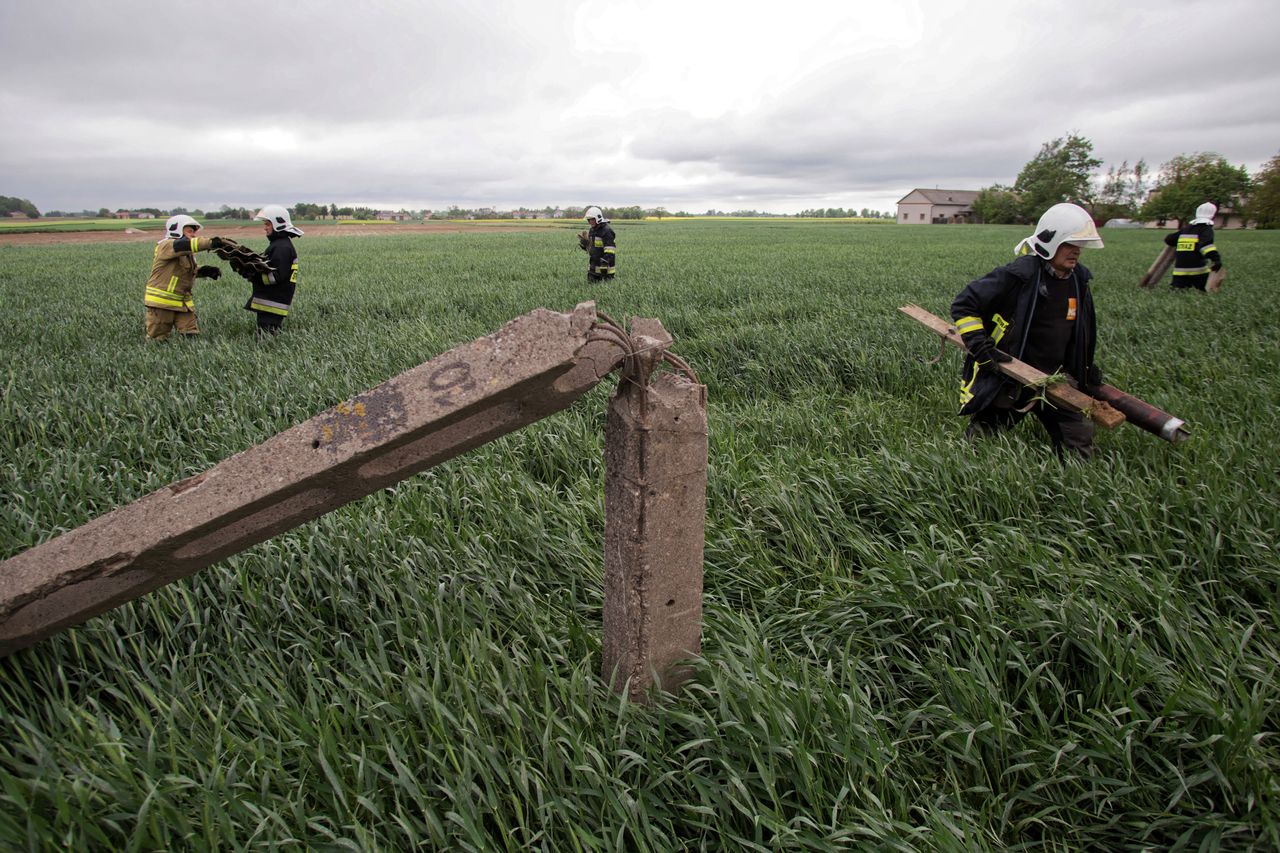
[(533, 366), (655, 507)]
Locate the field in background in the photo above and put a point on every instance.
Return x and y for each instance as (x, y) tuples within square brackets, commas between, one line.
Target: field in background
[(910, 641)]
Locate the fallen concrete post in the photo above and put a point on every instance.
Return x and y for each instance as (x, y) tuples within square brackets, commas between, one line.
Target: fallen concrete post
[(531, 367), (655, 508)]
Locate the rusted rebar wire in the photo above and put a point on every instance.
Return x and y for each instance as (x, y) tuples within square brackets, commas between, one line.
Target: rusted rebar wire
[(681, 365), (605, 319), (612, 339), (605, 323), (619, 337)]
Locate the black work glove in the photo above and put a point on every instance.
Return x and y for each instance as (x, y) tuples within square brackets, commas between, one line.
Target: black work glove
[(1216, 267), (1093, 376), (209, 271), (583, 240), (217, 242), (984, 350)]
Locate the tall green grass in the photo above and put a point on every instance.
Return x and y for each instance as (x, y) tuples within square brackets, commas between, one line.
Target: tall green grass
[(911, 642)]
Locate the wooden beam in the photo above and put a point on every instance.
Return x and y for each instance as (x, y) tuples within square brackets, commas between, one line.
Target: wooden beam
[(1062, 394), (1158, 268)]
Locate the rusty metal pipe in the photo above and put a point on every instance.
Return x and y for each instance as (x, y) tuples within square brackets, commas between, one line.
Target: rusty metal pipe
[(1142, 414)]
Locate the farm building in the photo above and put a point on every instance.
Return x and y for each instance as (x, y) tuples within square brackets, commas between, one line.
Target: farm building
[(936, 207)]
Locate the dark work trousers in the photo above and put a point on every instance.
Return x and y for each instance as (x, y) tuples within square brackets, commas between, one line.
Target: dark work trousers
[(1186, 282), (1066, 429), (269, 324)]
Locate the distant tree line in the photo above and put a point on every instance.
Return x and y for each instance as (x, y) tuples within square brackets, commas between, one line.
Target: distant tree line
[(841, 213), (17, 205), (1066, 170)]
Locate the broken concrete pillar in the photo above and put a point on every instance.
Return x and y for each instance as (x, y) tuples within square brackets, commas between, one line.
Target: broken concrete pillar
[(533, 366), (655, 514)]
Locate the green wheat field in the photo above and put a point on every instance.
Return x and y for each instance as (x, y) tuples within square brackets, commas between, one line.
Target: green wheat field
[(911, 642)]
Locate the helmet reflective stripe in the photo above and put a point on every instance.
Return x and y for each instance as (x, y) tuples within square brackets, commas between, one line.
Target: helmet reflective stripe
[(1062, 223)]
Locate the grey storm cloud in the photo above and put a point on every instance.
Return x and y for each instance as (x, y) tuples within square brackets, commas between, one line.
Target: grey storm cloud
[(621, 101)]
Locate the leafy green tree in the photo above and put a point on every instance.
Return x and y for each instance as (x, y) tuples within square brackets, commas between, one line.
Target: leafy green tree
[(997, 205), (17, 205), (1264, 202), (1062, 171), (1189, 180), (1122, 192)]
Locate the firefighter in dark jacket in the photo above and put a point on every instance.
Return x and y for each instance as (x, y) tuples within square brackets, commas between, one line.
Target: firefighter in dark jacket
[(174, 270), (599, 243), (1196, 256), (273, 292), (1037, 309)]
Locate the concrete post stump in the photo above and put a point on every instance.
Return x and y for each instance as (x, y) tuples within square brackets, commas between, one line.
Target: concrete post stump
[(655, 514)]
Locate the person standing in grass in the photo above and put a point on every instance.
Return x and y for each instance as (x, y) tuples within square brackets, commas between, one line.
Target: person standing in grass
[(1038, 309), (1196, 256), (599, 243), (168, 297), (273, 291)]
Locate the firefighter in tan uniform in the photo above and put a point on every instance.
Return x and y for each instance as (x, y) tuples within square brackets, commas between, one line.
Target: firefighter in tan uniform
[(173, 273)]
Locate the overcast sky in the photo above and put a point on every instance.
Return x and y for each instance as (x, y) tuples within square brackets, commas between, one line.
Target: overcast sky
[(690, 105)]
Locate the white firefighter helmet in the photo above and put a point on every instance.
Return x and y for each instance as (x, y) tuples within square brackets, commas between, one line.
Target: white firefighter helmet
[(595, 213), (1205, 214), (173, 227), (278, 216), (1062, 223)]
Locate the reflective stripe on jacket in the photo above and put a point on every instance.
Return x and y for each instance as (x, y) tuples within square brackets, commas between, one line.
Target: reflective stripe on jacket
[(1000, 306), (173, 273), (273, 293), (1195, 249), (602, 251)]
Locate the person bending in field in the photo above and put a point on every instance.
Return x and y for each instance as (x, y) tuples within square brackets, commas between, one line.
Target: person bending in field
[(1196, 256), (1037, 309), (174, 271), (599, 244), (273, 291)]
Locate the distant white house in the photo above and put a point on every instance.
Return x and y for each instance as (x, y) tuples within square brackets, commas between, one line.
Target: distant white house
[(936, 207)]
